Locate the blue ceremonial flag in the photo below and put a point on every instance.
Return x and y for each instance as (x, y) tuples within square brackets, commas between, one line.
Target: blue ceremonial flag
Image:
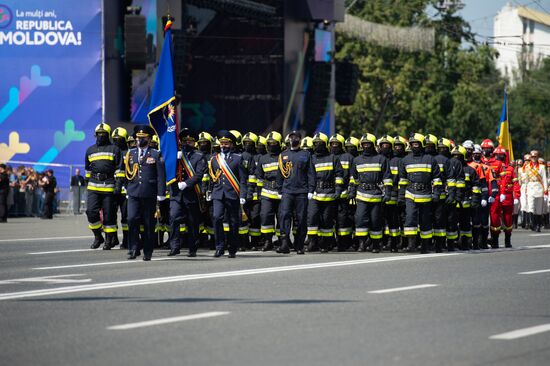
[(504, 137), (162, 115)]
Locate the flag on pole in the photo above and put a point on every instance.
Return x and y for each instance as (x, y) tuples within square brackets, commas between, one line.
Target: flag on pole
[(162, 115), (504, 137)]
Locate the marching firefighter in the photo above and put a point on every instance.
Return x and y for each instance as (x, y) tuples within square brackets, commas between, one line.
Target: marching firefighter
[(344, 221), (420, 186), (328, 187), (537, 189), (186, 197), (103, 164), (298, 185), (229, 185), (120, 136), (269, 185), (396, 220), (503, 207), (369, 173), (471, 199), (389, 208), (252, 206), (144, 168), (261, 147)]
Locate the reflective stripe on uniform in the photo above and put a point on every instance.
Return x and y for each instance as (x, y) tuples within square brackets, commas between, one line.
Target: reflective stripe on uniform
[(312, 230), (109, 228), (267, 229), (321, 167), (375, 167), (365, 197), (101, 156), (94, 225), (426, 234), (360, 231), (418, 168), (420, 198), (101, 187)]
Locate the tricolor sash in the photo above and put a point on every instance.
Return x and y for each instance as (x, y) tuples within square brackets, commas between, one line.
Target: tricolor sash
[(190, 171), (228, 174)]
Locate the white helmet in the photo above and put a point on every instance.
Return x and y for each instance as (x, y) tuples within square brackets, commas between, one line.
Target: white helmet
[(468, 144), (477, 149)]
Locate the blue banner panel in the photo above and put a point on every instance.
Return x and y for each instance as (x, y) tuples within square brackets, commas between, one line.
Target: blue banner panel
[(50, 94)]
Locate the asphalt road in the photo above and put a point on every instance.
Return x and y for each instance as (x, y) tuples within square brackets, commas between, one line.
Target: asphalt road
[(61, 304)]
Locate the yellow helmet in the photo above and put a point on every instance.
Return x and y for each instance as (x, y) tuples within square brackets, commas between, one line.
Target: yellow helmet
[(459, 150), (238, 137), (443, 142), (155, 138), (306, 143), (338, 138), (417, 137), (262, 140), (274, 136), (215, 142), (399, 140), (250, 136), (205, 136), (102, 127), (386, 139), (352, 141), (368, 137), (120, 132), (430, 139), (320, 137)]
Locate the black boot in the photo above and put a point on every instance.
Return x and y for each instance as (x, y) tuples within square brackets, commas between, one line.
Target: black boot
[(362, 244), (98, 239), (539, 222), (244, 242), (313, 243), (115, 240), (268, 243), (324, 244), (254, 243), (355, 244), (425, 245), (466, 243), (439, 243), (532, 222), (375, 245), (523, 219), (284, 248), (494, 240), (508, 240), (515, 220), (450, 245), (411, 244), (124, 244), (384, 243), (394, 240), (475, 238), (484, 236), (109, 238)]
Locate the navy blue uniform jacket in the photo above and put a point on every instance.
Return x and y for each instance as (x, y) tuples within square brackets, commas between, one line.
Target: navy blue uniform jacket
[(222, 188), (189, 195), (150, 181)]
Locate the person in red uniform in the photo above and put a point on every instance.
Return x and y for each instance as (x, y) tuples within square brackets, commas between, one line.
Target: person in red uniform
[(503, 207)]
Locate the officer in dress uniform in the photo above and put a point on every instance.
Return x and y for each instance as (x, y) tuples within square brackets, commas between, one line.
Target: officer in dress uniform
[(103, 164), (186, 196), (146, 185), (229, 179), (298, 177)]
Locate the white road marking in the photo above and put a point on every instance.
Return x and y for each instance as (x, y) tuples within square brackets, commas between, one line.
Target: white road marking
[(181, 278), (46, 239), (64, 251), (49, 280), (535, 272), (520, 333), (137, 260), (175, 319), (396, 289), (537, 246), (545, 234)]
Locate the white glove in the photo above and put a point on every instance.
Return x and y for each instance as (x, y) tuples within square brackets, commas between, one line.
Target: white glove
[(182, 185), (180, 155), (309, 196), (208, 198), (502, 197), (491, 199), (161, 198), (516, 201), (242, 201), (483, 203)]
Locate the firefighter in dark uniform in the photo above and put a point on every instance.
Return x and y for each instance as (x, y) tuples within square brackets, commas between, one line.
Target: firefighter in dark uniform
[(396, 220), (419, 186), (252, 206), (103, 164), (207, 230), (344, 223), (471, 199), (269, 186), (370, 185), (352, 149), (329, 181), (120, 137), (229, 178), (298, 176), (186, 196), (146, 176), (389, 208), (261, 146)]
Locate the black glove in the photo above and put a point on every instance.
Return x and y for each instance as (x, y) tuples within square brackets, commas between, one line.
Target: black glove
[(449, 200), (387, 195), (435, 197)]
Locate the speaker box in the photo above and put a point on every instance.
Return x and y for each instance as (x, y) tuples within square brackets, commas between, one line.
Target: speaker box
[(347, 82), (135, 43), (317, 95), (331, 10)]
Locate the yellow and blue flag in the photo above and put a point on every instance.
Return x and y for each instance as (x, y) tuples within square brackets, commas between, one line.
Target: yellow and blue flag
[(162, 115), (504, 137)]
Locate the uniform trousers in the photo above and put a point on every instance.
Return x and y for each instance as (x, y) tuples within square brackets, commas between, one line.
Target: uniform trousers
[(418, 215), (294, 203), (105, 202), (368, 219), (188, 214), (220, 208), (321, 217), (141, 211)]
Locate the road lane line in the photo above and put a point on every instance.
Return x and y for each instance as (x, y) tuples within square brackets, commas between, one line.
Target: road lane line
[(59, 279), (535, 272), (520, 333), (102, 263), (545, 234), (64, 251), (175, 319), (46, 239), (407, 288), (536, 246), (181, 278)]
